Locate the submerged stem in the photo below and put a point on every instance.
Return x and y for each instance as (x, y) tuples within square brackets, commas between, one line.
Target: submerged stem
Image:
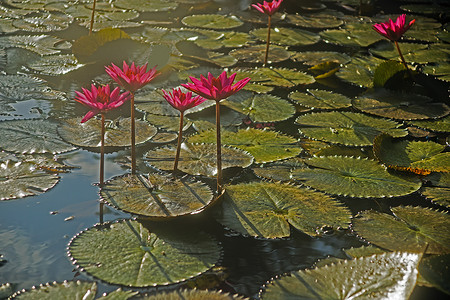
[(268, 40), (180, 134), (102, 151), (403, 60), (92, 18), (133, 137), (219, 149)]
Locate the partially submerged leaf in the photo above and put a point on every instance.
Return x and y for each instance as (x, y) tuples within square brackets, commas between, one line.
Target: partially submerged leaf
[(436, 270), (87, 45), (65, 290)]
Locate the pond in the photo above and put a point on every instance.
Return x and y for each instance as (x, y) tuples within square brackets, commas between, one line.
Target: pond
[(335, 154)]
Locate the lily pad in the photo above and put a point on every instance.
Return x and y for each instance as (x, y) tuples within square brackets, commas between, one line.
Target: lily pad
[(156, 195), (413, 53), (440, 125), (360, 71), (130, 253), (320, 99), (287, 36), (212, 21), (346, 128), (340, 150), (44, 22), (279, 170), (413, 229), (194, 294), (22, 87), (388, 72), (283, 77), (79, 290), (441, 70), (437, 195), (21, 179), (435, 269), (255, 54), (267, 210), (401, 106), (32, 136), (415, 156), (55, 65), (117, 132), (351, 37), (354, 177), (381, 276), (215, 40), (264, 145), (313, 21), (313, 58), (198, 159), (147, 6), (87, 45), (261, 108), (40, 44)]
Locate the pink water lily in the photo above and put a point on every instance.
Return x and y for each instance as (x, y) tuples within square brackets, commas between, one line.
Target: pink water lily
[(182, 101), (100, 99), (393, 31), (268, 8), (215, 88), (131, 77)]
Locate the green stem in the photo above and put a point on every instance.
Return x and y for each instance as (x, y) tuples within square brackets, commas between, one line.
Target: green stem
[(133, 137), (180, 134), (219, 149), (92, 18), (102, 151), (403, 60), (268, 40)]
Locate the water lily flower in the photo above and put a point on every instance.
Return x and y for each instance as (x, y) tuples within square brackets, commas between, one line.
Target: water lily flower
[(100, 99), (393, 31), (268, 8), (132, 78), (182, 102), (216, 89)]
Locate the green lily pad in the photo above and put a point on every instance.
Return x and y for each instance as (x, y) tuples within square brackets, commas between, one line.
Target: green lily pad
[(412, 228), (256, 54), (44, 22), (437, 195), (401, 106), (415, 156), (388, 71), (283, 77), (347, 128), (171, 123), (441, 70), (381, 276), (426, 9), (312, 58), (351, 37), (264, 145), (354, 177), (198, 159), (340, 150), (279, 170), (267, 210), (79, 290), (440, 125), (215, 40), (320, 99), (287, 36), (360, 71), (261, 108), (193, 295), (435, 269), (147, 6), (40, 44), (212, 21), (314, 21), (117, 132), (55, 65), (156, 195), (364, 251), (32, 136), (22, 87), (130, 253), (6, 26), (21, 179), (413, 53)]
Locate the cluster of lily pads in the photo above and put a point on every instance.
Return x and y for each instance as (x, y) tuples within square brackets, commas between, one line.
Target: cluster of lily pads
[(301, 146)]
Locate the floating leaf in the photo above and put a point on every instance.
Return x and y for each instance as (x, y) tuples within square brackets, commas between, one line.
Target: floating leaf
[(32, 136), (363, 251), (381, 276), (262, 108), (21, 179), (171, 123), (264, 145), (284, 77), (194, 294), (312, 58), (351, 37), (340, 150), (415, 156), (156, 195), (198, 159), (441, 125), (441, 70), (87, 45), (401, 106), (412, 228), (266, 210), (256, 54), (212, 21), (438, 195), (40, 44), (354, 177), (215, 40), (147, 6), (279, 170), (313, 21), (44, 22), (56, 65), (65, 290), (320, 99), (347, 128), (22, 87), (359, 71), (386, 71), (129, 253), (413, 53), (435, 269), (117, 132), (287, 36)]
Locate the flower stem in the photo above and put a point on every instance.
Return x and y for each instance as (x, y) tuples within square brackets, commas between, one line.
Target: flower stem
[(403, 60), (92, 18), (268, 40), (102, 151), (180, 134), (133, 137), (219, 149)]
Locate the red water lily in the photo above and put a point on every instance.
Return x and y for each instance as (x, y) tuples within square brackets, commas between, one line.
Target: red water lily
[(393, 31), (100, 99), (182, 101), (216, 88), (131, 77), (268, 8)]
